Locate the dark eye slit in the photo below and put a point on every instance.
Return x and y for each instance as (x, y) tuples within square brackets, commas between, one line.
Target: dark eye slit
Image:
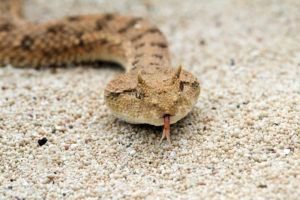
[(181, 86)]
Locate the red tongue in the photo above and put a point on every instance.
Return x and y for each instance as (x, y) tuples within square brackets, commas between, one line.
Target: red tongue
[(166, 131), (167, 122)]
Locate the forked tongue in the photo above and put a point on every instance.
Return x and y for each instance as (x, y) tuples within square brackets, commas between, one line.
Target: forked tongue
[(166, 131)]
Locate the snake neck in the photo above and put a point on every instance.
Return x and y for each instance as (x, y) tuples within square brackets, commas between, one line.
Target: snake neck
[(132, 42)]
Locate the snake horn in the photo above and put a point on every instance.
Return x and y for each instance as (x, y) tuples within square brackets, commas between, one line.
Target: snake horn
[(140, 78), (177, 74)]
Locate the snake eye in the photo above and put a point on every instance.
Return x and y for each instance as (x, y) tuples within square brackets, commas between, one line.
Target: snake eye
[(139, 95), (181, 86)]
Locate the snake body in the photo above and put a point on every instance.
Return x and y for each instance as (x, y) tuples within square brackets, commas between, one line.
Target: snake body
[(149, 92)]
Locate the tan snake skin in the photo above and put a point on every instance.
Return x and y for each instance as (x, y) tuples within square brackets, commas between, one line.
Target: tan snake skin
[(149, 92)]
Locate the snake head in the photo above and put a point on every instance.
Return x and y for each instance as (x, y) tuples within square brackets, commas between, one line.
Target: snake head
[(149, 95)]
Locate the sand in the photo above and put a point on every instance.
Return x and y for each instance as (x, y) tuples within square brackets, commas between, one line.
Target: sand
[(242, 140)]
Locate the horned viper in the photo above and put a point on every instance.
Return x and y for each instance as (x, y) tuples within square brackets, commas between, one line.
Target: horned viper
[(149, 92)]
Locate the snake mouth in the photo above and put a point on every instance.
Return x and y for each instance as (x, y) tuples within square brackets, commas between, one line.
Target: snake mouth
[(167, 117)]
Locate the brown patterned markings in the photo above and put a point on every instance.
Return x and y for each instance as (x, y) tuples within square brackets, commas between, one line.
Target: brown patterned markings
[(102, 22), (153, 63), (47, 53), (138, 55), (26, 43), (157, 56), (109, 16), (135, 62), (141, 35), (74, 18), (82, 42), (130, 24), (138, 37), (154, 30), (57, 28), (79, 36), (159, 44), (139, 45), (103, 41), (6, 27)]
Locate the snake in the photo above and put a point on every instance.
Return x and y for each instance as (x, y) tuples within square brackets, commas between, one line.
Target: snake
[(149, 92)]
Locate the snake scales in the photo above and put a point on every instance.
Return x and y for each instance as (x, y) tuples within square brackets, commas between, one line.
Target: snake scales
[(149, 92)]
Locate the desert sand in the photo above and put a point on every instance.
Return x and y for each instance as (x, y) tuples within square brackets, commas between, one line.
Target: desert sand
[(58, 140)]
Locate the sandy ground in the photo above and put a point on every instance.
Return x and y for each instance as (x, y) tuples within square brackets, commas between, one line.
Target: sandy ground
[(242, 140)]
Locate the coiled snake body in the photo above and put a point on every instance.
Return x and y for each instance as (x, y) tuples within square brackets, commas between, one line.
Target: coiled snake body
[(149, 92)]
